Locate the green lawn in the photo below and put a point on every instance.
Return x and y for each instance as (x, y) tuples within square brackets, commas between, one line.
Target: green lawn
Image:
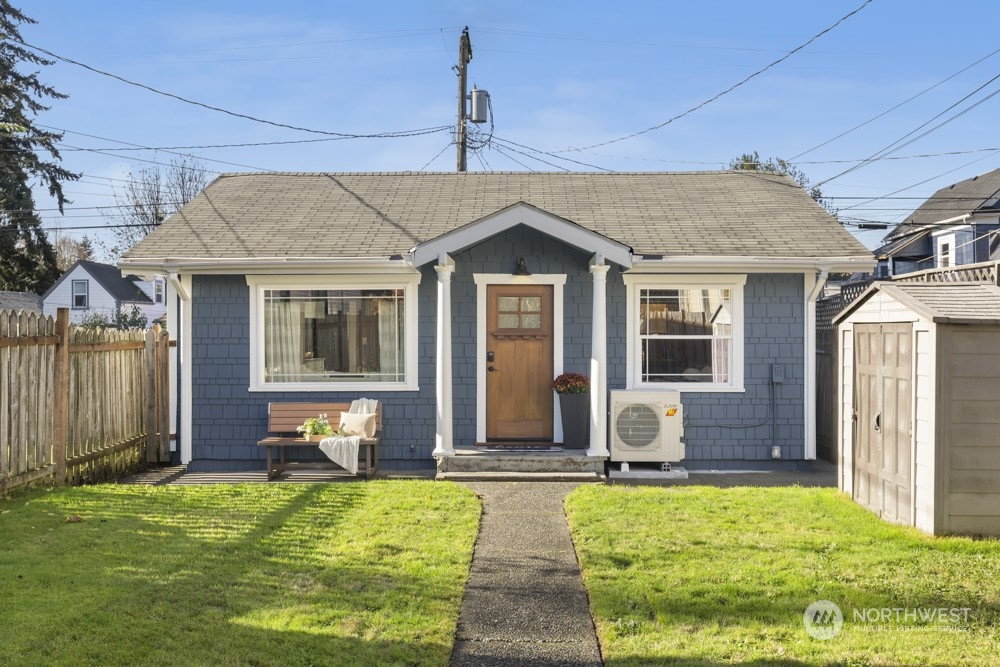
[(706, 576), (322, 574)]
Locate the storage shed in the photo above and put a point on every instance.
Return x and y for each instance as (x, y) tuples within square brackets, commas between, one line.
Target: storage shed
[(919, 405)]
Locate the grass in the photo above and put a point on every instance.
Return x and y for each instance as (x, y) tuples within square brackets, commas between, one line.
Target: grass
[(705, 576), (345, 574)]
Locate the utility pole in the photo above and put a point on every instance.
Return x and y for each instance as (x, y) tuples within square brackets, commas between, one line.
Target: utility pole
[(464, 56)]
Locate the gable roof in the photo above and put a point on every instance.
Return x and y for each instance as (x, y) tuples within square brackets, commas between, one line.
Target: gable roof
[(978, 194), (110, 278), (377, 216), (944, 303), (28, 301)]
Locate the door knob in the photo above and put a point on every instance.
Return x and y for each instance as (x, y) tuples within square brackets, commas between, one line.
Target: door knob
[(490, 369)]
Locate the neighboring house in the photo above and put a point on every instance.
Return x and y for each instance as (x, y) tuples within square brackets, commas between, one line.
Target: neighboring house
[(90, 288), (26, 301), (958, 225), (455, 298)]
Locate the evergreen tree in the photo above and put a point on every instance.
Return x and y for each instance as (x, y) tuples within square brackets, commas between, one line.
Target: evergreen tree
[(27, 153)]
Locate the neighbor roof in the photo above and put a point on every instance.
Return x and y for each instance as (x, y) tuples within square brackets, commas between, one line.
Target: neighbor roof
[(379, 215), (27, 301), (111, 279), (973, 195), (945, 303)]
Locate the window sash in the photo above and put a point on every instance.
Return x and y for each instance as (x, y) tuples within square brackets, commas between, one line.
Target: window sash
[(333, 336), (80, 294), (685, 334), (685, 331), (406, 282)]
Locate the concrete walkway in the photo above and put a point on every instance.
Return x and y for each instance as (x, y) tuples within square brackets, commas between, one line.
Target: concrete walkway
[(525, 603)]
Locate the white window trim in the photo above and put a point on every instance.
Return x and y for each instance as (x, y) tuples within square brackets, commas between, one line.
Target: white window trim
[(634, 283), (939, 255), (408, 283), (86, 294)]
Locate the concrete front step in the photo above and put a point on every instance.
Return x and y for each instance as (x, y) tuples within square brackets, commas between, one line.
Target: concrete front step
[(476, 459), (521, 476)]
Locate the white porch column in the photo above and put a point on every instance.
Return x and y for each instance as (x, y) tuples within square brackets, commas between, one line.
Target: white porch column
[(443, 445), (813, 287), (599, 360)]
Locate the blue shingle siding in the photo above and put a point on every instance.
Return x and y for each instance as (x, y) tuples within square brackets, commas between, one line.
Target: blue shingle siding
[(228, 420), (774, 334)]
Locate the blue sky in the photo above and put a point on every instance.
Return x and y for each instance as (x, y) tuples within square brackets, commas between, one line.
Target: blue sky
[(560, 75)]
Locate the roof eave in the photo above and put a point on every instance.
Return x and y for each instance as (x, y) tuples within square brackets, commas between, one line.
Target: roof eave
[(753, 264), (276, 265)]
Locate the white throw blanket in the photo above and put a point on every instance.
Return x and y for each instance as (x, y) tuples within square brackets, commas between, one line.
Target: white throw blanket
[(343, 449)]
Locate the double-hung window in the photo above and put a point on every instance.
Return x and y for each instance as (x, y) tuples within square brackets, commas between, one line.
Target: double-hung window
[(81, 295), (685, 332), (333, 334)]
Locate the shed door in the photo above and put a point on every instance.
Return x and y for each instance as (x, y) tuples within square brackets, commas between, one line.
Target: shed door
[(883, 413)]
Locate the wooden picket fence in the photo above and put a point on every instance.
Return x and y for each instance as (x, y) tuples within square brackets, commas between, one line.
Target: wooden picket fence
[(79, 405)]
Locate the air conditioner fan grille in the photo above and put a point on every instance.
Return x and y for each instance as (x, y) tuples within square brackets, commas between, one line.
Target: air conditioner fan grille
[(637, 426)]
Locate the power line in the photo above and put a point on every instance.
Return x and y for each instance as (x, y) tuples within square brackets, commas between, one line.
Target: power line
[(887, 111), (553, 155), (896, 145), (727, 90), (446, 147), (235, 114)]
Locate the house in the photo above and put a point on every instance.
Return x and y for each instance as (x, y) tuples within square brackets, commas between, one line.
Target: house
[(26, 301), (920, 392), (958, 225), (91, 288), (455, 298)]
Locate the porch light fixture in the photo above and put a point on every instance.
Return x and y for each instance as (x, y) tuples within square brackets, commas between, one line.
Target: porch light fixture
[(522, 268)]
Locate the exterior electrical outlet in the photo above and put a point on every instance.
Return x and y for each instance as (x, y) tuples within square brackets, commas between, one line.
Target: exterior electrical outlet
[(777, 374)]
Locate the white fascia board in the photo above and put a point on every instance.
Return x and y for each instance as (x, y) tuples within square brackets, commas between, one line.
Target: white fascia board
[(522, 214), (267, 265), (951, 229), (749, 264)]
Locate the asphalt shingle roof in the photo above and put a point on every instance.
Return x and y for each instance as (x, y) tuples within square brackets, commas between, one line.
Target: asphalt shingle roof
[(27, 301), (119, 287), (973, 195), (377, 215), (945, 302)]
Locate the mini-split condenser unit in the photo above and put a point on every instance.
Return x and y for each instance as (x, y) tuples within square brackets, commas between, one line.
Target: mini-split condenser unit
[(647, 426)]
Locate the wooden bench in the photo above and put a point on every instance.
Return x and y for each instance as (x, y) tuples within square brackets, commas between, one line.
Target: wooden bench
[(284, 418)]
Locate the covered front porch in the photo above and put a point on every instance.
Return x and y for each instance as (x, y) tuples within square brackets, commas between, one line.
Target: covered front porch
[(501, 338)]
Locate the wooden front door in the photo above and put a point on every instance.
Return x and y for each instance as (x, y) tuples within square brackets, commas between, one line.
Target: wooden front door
[(883, 411), (518, 362)]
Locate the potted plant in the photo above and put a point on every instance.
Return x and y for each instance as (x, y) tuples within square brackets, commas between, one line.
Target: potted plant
[(318, 426), (574, 406)]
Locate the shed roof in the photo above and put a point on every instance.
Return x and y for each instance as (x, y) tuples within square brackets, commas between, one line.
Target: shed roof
[(943, 303), (380, 215)]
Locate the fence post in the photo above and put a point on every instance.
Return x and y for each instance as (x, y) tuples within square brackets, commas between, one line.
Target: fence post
[(163, 393), (60, 402), (152, 448)]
